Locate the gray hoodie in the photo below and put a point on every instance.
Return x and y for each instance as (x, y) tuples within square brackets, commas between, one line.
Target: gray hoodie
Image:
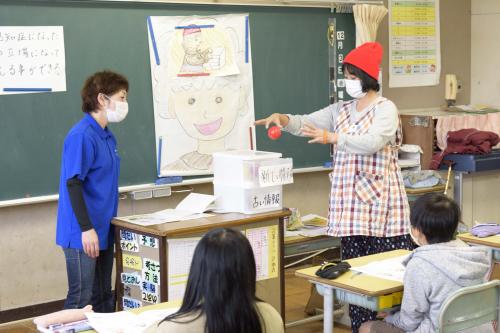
[(434, 272)]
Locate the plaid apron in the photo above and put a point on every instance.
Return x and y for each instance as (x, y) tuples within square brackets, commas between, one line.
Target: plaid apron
[(367, 195)]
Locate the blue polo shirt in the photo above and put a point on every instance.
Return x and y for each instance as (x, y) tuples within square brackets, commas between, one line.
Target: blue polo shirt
[(90, 154)]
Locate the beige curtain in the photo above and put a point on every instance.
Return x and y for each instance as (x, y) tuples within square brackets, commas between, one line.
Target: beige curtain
[(367, 19)]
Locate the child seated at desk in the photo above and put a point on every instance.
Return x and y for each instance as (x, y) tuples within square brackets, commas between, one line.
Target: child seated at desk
[(220, 291), (440, 266)]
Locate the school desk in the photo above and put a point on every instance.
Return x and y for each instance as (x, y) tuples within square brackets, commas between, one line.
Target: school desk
[(492, 242), (363, 290), (161, 255)]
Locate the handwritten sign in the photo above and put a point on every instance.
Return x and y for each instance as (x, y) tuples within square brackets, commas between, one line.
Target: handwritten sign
[(131, 278), (32, 59), (151, 271), (128, 236), (131, 261), (265, 200), (129, 246), (149, 241), (130, 303), (275, 175), (149, 297)]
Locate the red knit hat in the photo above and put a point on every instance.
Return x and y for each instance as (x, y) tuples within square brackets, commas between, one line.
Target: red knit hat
[(366, 57)]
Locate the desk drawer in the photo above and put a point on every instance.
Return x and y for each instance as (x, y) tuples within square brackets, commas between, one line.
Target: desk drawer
[(311, 246), (374, 303)]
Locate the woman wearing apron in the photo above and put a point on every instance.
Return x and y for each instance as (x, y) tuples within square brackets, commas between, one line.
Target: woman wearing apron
[(368, 207)]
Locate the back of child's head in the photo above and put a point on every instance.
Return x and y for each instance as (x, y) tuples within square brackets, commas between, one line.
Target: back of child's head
[(436, 216)]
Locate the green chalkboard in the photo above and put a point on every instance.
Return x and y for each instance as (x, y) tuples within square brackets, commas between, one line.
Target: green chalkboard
[(290, 72)]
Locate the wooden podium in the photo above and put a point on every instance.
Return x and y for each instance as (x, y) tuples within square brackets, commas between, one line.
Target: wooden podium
[(152, 262)]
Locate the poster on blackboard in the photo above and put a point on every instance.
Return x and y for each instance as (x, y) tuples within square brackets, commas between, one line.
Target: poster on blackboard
[(201, 73), (32, 59)]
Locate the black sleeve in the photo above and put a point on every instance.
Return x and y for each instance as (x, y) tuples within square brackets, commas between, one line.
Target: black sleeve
[(75, 190)]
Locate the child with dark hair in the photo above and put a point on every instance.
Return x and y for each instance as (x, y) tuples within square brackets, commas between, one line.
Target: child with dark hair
[(220, 292), (437, 268)]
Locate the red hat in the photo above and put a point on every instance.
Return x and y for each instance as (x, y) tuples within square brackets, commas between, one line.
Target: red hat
[(191, 30), (366, 57)]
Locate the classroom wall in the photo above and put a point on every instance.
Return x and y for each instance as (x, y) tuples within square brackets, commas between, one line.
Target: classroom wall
[(485, 26), (32, 268), (455, 58)]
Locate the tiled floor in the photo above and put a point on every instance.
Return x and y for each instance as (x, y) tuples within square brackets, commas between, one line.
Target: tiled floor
[(296, 296)]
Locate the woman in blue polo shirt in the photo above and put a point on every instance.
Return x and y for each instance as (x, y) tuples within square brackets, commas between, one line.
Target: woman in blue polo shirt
[(88, 193)]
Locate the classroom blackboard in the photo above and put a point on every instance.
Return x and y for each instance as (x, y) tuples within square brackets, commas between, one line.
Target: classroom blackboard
[(290, 73)]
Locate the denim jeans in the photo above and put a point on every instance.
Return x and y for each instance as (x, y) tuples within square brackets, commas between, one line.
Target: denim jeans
[(89, 280)]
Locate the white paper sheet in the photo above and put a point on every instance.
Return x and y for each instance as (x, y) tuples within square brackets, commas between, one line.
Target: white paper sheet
[(192, 207), (196, 203), (32, 59), (126, 321), (390, 269)]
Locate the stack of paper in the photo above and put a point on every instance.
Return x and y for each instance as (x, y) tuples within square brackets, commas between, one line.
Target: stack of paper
[(192, 207), (126, 321)]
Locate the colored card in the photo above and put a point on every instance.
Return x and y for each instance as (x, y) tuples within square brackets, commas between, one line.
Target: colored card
[(130, 261)]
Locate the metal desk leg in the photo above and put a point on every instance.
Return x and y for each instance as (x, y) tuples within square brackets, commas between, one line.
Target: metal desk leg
[(328, 310), (458, 180)]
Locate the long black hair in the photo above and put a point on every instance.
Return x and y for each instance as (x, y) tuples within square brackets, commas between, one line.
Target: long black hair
[(221, 284)]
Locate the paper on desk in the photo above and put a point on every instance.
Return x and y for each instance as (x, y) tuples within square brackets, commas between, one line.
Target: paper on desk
[(390, 269), (126, 321), (191, 207), (196, 203)]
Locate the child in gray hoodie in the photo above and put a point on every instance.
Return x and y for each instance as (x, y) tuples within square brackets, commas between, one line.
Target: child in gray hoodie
[(437, 268)]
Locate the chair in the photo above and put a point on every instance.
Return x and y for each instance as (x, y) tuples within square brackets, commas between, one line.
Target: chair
[(471, 307)]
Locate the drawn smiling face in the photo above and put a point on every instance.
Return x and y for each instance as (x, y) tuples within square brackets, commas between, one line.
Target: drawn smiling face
[(207, 114)]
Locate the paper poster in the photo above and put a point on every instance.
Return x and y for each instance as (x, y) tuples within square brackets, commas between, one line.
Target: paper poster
[(131, 303), (130, 261), (150, 271), (149, 241), (180, 255), (265, 242), (202, 86), (275, 175), (131, 279), (32, 59), (414, 49)]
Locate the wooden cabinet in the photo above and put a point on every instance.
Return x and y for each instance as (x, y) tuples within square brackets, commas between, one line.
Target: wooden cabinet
[(149, 271)]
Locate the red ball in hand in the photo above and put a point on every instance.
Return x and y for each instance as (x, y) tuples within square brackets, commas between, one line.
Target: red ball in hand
[(274, 132)]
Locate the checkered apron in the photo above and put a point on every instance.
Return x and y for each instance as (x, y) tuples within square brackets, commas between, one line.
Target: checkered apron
[(367, 195)]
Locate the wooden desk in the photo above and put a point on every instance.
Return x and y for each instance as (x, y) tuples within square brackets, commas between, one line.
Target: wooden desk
[(142, 254), (367, 291), (493, 242)]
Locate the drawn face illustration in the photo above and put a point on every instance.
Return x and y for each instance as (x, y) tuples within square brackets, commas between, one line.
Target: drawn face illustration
[(207, 114), (191, 42)]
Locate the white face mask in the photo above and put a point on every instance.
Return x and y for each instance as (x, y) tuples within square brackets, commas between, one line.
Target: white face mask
[(354, 89), (415, 240), (119, 113)]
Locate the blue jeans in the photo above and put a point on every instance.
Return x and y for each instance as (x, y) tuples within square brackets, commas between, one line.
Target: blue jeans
[(89, 280)]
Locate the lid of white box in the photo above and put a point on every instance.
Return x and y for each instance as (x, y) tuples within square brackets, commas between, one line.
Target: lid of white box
[(246, 154)]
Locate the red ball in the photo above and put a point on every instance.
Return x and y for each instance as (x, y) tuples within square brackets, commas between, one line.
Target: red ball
[(274, 132)]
